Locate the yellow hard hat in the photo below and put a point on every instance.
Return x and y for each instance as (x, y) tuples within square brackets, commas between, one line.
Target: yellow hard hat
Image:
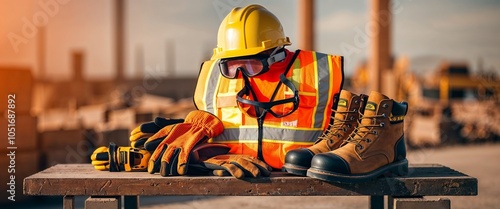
[(248, 31)]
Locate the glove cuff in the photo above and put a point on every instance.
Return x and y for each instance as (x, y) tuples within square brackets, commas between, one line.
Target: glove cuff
[(113, 164), (210, 123)]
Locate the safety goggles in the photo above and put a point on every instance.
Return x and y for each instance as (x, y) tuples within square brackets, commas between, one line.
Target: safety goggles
[(248, 103), (249, 65)]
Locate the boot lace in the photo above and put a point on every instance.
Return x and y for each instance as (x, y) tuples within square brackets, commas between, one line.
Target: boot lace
[(359, 133), (337, 125)]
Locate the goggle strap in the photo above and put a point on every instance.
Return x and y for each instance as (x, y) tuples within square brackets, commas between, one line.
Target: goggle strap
[(276, 57), (113, 164), (270, 104)]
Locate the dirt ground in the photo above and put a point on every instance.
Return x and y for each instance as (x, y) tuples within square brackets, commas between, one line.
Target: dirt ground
[(480, 161)]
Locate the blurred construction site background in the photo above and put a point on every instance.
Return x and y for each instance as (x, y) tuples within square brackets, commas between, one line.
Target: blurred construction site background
[(84, 73)]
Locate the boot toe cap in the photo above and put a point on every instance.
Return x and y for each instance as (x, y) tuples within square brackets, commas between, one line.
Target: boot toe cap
[(330, 162), (299, 157)]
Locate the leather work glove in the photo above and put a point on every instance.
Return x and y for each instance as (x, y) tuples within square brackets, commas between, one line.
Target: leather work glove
[(141, 133), (114, 158), (202, 152), (173, 144), (237, 165)]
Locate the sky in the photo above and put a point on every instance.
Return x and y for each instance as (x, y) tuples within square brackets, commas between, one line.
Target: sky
[(424, 30)]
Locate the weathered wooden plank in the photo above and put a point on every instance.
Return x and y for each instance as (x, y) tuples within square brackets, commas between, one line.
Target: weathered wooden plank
[(82, 179)]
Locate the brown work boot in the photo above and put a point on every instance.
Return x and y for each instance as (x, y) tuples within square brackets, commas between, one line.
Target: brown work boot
[(376, 148), (341, 126)]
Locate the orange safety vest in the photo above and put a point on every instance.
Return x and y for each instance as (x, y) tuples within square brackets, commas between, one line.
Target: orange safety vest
[(318, 77)]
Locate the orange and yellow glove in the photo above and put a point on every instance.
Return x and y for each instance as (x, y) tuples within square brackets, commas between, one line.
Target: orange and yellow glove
[(141, 133), (173, 144)]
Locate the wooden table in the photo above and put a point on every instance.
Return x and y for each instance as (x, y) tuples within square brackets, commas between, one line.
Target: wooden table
[(106, 188)]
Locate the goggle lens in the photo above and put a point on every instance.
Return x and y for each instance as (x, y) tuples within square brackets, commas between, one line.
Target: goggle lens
[(250, 67)]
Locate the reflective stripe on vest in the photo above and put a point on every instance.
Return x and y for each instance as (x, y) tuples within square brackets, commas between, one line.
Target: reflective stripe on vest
[(246, 134)]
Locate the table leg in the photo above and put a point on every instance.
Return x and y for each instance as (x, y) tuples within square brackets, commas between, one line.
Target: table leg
[(68, 202), (376, 202), (390, 202), (131, 202)]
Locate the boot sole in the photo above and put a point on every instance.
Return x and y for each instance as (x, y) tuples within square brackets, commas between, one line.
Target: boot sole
[(293, 169), (399, 168)]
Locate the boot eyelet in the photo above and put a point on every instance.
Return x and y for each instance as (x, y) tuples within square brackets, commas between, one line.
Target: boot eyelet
[(368, 140), (382, 124), (383, 115), (351, 118), (375, 132), (344, 129), (356, 101), (360, 147), (385, 105), (348, 125)]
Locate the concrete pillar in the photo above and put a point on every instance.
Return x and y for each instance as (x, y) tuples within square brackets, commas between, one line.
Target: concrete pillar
[(380, 32), (77, 59), (139, 62), (41, 53), (170, 58), (78, 82), (306, 24), (119, 40)]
